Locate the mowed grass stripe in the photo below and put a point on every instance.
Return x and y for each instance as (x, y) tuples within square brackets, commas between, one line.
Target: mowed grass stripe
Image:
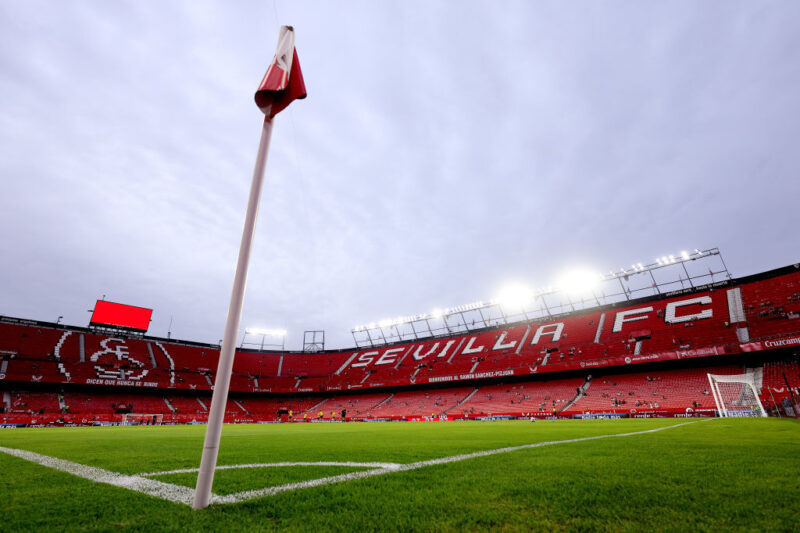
[(130, 450), (179, 494), (726, 474)]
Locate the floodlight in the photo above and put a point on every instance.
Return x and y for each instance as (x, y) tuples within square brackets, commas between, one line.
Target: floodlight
[(437, 313), (685, 255), (579, 281), (514, 295)]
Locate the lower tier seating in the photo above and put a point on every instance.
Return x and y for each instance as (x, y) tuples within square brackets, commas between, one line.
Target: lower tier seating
[(655, 392), (671, 390)]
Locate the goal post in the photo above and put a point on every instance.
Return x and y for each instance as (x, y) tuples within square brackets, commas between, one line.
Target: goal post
[(142, 419), (736, 395)]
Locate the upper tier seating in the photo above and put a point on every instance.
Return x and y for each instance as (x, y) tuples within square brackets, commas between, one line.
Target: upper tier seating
[(186, 357), (28, 342), (311, 364), (772, 309)]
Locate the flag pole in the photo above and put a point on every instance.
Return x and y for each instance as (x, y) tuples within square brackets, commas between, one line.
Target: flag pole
[(208, 463)]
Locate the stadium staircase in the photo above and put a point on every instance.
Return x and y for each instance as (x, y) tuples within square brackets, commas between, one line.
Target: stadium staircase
[(388, 398), (241, 407), (316, 406), (579, 393), (357, 406), (169, 405), (463, 400)]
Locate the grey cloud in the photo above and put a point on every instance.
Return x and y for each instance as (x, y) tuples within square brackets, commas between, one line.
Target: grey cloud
[(440, 152)]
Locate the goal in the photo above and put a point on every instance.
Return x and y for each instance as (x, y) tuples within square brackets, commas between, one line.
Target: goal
[(736, 395), (142, 419)]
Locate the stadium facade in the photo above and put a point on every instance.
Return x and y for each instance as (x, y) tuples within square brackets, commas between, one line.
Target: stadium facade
[(642, 357)]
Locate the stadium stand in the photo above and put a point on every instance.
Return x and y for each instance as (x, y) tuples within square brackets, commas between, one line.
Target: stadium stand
[(26, 342), (779, 379), (271, 408), (649, 355), (414, 404), (356, 406), (524, 398), (188, 404), (34, 402), (672, 391)]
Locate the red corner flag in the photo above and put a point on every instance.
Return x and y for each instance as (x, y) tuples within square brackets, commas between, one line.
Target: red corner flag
[(283, 83)]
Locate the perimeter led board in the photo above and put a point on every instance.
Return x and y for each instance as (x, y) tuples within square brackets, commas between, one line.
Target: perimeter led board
[(120, 316)]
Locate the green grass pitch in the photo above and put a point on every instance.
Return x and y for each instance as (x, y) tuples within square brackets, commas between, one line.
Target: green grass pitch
[(725, 474)]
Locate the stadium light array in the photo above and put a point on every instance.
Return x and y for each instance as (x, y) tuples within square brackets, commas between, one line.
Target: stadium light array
[(435, 314), (579, 282), (683, 256), (265, 333)]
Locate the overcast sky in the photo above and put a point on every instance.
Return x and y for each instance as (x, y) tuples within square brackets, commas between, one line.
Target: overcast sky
[(444, 150)]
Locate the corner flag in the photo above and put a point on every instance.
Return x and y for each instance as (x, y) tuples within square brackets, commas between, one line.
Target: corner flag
[(282, 84)]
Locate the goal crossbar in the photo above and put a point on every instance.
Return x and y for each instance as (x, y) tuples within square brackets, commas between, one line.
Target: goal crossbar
[(736, 395)]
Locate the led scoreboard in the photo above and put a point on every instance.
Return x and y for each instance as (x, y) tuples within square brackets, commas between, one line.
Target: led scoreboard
[(121, 316)]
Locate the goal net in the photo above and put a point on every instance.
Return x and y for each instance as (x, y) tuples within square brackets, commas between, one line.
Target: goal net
[(142, 419), (736, 395)]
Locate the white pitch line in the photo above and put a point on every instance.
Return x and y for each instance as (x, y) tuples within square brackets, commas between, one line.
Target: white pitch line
[(388, 466), (151, 487), (185, 495), (269, 491)]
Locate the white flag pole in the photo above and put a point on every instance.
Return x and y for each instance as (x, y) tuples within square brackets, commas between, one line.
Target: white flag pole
[(208, 463)]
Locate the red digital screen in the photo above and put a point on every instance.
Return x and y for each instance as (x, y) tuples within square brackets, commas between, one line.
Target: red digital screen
[(120, 315)]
